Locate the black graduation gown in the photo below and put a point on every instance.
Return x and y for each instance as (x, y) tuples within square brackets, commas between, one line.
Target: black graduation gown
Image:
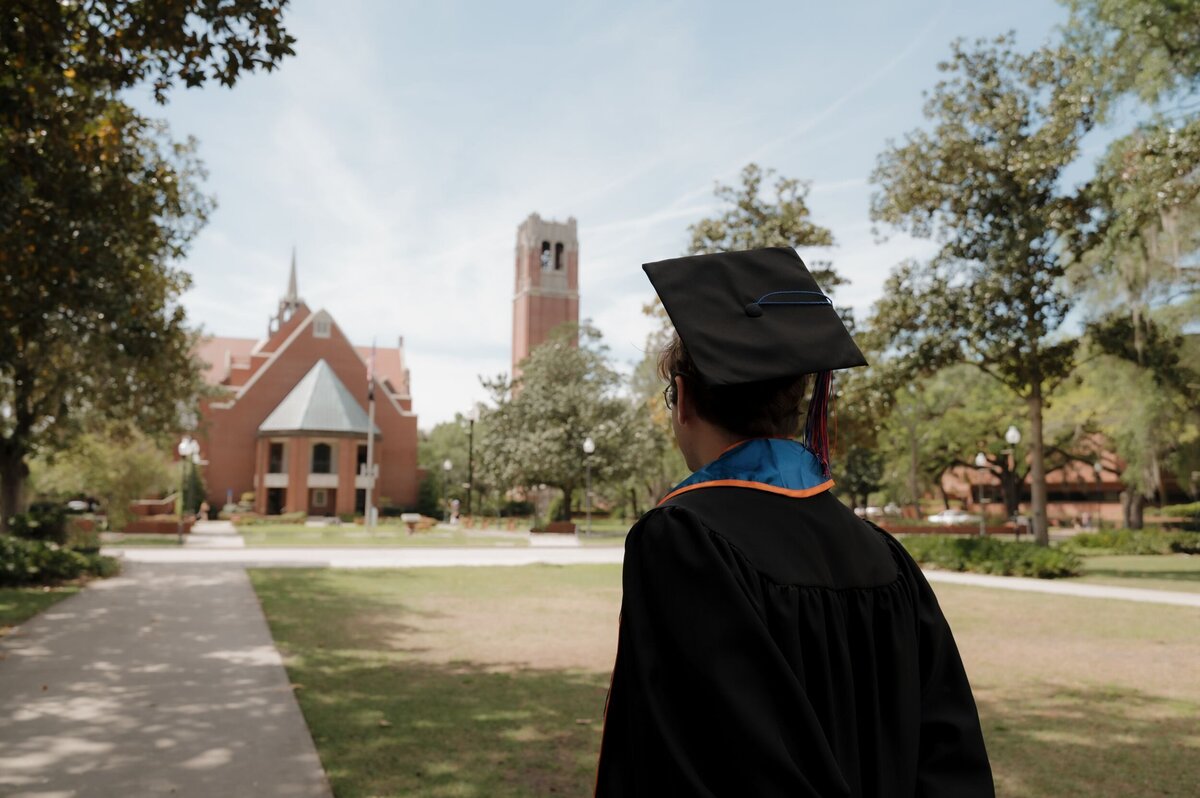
[(774, 646)]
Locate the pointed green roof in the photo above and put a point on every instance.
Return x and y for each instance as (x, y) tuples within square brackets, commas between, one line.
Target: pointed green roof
[(320, 402)]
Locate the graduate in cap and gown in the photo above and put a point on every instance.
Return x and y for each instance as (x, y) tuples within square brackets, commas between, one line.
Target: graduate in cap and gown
[(771, 642)]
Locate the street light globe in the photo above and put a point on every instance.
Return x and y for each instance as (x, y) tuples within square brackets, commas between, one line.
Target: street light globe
[(1013, 435), (1099, 467), (185, 446), (589, 445), (981, 460), (447, 465)]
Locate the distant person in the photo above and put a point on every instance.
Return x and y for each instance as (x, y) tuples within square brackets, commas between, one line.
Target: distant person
[(771, 642)]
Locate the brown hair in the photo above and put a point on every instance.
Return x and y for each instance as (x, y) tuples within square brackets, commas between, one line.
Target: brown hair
[(767, 409)]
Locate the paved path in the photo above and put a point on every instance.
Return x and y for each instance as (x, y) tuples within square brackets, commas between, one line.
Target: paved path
[(370, 557), (1062, 588), (398, 557), (164, 681), (218, 534)]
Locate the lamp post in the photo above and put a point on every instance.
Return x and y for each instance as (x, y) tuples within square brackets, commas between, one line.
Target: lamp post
[(446, 466), (472, 417), (188, 448), (1098, 467), (981, 462), (589, 448), (1012, 436)]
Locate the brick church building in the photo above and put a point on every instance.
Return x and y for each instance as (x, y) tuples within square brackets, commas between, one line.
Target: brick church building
[(289, 422)]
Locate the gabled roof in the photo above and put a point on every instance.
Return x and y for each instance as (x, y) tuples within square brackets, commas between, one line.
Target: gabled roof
[(320, 402)]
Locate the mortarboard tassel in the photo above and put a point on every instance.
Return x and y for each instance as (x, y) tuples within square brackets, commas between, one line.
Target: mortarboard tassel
[(816, 426)]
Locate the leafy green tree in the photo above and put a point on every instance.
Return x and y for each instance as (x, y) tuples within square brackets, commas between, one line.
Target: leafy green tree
[(861, 475), (566, 393), (986, 182), (95, 203), (752, 221), (450, 440), (656, 464), (117, 466), (1149, 48)]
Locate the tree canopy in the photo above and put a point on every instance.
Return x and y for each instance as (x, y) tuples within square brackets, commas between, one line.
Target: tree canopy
[(96, 202), (565, 394), (986, 181)]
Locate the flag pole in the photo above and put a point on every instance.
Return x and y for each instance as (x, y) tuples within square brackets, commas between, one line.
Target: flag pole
[(370, 469)]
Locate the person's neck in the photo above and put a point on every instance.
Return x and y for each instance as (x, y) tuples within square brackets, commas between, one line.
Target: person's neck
[(710, 443)]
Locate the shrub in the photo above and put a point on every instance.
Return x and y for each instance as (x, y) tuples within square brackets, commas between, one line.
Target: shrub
[(1135, 541), (516, 508), (44, 521), (38, 562), (254, 519), (1189, 512), (992, 556)]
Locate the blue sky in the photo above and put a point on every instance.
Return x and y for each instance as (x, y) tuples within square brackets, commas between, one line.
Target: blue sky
[(403, 144)]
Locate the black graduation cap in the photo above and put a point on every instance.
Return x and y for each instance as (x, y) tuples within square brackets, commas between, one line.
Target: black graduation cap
[(752, 316), (758, 315)]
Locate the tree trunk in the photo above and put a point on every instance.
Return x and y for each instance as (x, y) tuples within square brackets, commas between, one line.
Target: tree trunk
[(1012, 493), (568, 496), (1126, 506), (1037, 469), (1137, 505), (13, 473)]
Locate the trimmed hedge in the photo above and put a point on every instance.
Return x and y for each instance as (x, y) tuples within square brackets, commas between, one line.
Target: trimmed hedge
[(991, 556), (1135, 541), (37, 562), (254, 519)]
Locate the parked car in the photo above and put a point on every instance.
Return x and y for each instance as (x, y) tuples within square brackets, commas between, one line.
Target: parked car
[(953, 516)]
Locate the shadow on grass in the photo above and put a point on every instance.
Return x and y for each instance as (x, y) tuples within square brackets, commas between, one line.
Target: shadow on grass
[(1051, 742), (387, 723)]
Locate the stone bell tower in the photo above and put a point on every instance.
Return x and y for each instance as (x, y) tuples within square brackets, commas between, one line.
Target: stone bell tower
[(546, 293)]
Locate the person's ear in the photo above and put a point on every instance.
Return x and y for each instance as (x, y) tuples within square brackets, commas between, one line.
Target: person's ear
[(683, 407)]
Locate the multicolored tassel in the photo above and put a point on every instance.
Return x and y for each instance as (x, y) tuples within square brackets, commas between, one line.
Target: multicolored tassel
[(816, 426)]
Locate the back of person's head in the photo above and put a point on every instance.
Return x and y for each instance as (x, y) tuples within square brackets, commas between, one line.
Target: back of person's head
[(767, 409)]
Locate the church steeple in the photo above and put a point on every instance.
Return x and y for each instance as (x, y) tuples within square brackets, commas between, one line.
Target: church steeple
[(292, 297), (291, 301)]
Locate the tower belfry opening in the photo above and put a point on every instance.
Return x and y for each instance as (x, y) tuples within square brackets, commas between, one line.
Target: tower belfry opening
[(546, 292)]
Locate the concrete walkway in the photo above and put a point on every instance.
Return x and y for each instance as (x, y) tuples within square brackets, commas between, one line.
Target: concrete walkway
[(422, 557), (214, 534), (164, 681)]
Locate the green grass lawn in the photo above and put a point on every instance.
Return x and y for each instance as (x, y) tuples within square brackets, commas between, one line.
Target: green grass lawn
[(1154, 571), (387, 535), (491, 681), (19, 604)]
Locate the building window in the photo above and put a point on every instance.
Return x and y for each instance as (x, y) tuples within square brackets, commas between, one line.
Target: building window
[(320, 497), (275, 500), (321, 327), (275, 459), (360, 501), (360, 460), (322, 458), (558, 257), (546, 256)]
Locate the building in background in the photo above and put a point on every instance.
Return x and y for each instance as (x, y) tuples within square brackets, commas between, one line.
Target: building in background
[(546, 291), (289, 421)]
